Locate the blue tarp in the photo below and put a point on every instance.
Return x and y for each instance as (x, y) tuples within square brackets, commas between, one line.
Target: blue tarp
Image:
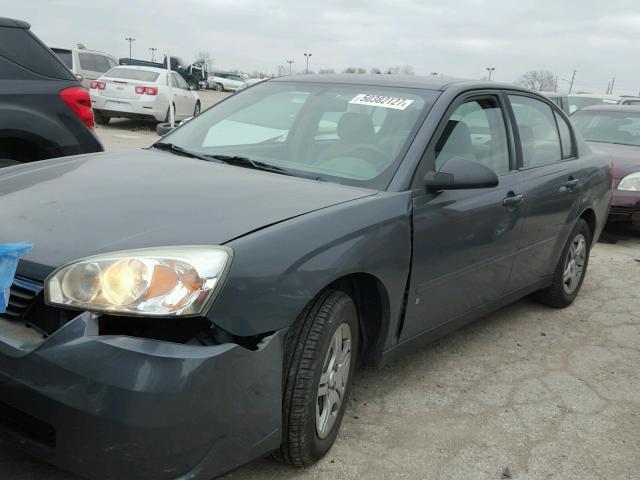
[(9, 255)]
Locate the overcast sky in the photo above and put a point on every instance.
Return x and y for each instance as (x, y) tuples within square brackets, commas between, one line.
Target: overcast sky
[(600, 39)]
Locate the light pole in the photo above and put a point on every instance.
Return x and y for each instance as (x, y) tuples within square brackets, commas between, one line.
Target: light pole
[(490, 70), (130, 40), (153, 53), (307, 56), (290, 62)]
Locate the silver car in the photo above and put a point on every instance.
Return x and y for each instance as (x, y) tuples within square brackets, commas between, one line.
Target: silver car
[(86, 65)]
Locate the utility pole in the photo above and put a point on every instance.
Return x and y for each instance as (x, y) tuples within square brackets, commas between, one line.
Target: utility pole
[(307, 56), (613, 82), (573, 77), (490, 70), (290, 62), (153, 53), (130, 40)]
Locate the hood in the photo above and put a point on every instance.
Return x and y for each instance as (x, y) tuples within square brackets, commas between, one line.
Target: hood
[(78, 206), (626, 158)]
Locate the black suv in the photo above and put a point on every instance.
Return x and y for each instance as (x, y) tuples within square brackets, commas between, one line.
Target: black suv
[(44, 111)]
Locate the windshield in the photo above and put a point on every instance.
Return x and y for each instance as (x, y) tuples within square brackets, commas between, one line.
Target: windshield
[(353, 134), (608, 127), (576, 103), (132, 74)]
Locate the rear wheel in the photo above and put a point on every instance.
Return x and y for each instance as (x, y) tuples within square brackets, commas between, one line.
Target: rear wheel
[(320, 357), (570, 270), (196, 110), (100, 118), (167, 118), (218, 87)]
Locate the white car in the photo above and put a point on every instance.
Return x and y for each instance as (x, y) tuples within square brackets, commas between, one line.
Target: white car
[(250, 82), (141, 93), (221, 81)]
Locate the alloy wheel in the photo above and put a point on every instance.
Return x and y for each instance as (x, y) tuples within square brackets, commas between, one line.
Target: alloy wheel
[(334, 379), (574, 264)]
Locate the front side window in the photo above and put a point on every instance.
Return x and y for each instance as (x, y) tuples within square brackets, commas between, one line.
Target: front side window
[(476, 131), (539, 138), (351, 134)]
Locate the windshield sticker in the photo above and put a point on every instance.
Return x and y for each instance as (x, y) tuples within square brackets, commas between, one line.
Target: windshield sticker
[(381, 101)]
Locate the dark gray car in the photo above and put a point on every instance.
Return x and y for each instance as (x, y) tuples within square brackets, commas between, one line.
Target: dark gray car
[(199, 304)]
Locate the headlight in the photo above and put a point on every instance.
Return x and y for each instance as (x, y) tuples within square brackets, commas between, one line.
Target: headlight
[(631, 182), (165, 281)]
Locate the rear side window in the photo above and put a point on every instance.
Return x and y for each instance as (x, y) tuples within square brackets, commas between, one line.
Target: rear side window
[(539, 137), (132, 74), (565, 136), (93, 62), (22, 47)]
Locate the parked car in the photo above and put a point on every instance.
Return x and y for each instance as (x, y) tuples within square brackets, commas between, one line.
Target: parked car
[(44, 111), (222, 81), (249, 82), (193, 73), (204, 302), (141, 93), (581, 100), (86, 65), (615, 130), (560, 99)]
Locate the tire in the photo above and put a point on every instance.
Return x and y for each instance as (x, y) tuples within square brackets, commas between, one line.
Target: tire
[(563, 291), (307, 435), (196, 110), (101, 119), (218, 87)]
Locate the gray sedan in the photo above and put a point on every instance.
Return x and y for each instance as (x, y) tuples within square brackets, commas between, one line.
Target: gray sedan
[(193, 306)]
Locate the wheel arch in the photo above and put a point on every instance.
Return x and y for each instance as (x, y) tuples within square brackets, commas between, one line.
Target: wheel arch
[(372, 303), (589, 216)]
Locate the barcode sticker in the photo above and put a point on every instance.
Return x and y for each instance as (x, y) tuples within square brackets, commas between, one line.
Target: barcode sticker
[(381, 101)]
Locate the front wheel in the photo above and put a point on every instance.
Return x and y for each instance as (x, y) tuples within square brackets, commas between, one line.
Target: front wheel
[(570, 270), (196, 110), (218, 87), (320, 357)]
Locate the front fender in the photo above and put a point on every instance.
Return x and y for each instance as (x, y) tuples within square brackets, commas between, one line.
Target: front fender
[(278, 270)]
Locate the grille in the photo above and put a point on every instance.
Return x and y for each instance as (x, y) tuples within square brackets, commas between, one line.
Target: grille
[(631, 213), (21, 299), (27, 426)]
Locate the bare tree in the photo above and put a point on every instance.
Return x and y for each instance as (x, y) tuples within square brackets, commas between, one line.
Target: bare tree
[(392, 70), (349, 70), (361, 70), (376, 71), (407, 70), (326, 71), (540, 80)]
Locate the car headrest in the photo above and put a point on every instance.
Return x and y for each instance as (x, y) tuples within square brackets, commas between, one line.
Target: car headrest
[(356, 128), (456, 137)]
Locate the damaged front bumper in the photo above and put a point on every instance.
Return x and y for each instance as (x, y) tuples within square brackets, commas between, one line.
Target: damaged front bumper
[(115, 407)]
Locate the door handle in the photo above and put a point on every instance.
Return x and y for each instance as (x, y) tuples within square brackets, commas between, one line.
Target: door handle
[(512, 199), (572, 183)]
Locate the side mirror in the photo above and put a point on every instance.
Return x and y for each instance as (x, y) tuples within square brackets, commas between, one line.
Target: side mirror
[(458, 174)]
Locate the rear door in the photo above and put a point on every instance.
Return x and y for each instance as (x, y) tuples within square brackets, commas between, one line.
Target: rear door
[(465, 241), (181, 96), (552, 178)]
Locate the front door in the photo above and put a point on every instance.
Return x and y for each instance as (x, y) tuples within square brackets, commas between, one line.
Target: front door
[(465, 241)]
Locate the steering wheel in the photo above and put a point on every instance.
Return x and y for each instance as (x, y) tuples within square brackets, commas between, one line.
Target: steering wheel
[(380, 159)]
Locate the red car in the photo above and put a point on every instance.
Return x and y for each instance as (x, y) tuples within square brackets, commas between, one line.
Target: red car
[(615, 129)]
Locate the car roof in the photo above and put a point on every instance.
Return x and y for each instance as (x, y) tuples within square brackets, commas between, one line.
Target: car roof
[(81, 50), (611, 108), (11, 22), (402, 81)]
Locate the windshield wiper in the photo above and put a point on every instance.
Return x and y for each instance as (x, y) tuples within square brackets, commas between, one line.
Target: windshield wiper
[(257, 165), (170, 147)]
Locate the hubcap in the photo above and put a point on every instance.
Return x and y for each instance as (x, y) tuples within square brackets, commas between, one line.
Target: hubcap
[(333, 380), (574, 264)]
